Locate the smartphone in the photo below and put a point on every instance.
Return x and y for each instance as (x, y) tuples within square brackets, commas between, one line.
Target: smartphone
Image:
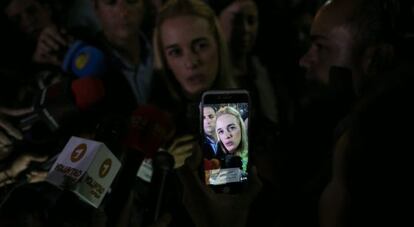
[(224, 130)]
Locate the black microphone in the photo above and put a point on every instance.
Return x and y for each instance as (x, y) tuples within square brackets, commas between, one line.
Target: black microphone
[(163, 163), (60, 102)]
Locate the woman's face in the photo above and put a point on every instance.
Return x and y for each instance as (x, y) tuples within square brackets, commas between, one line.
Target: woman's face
[(240, 23), (229, 131), (191, 52)]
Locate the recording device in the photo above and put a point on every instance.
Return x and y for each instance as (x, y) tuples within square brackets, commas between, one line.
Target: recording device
[(163, 164), (60, 102), (148, 130), (225, 138), (84, 60)]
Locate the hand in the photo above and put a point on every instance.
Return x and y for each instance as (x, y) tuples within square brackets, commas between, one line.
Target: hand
[(36, 176), (22, 162), (6, 143), (181, 149), (207, 208), (50, 43)]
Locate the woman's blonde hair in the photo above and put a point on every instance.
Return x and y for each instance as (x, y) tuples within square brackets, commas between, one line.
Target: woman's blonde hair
[(242, 149), (198, 8)]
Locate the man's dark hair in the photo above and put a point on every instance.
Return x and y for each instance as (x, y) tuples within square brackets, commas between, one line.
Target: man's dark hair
[(374, 23), (211, 106)]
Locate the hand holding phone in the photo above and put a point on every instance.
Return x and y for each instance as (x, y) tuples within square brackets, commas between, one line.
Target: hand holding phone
[(208, 208)]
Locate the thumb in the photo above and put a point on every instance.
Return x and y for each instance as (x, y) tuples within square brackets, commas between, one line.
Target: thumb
[(38, 159), (37, 176), (10, 129), (16, 112)]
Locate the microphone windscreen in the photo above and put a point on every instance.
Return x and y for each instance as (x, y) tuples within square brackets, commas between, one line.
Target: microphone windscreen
[(84, 60), (149, 128), (87, 92), (71, 54), (89, 61), (163, 161)]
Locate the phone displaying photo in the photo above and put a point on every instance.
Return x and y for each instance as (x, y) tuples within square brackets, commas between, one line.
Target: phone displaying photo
[(225, 137)]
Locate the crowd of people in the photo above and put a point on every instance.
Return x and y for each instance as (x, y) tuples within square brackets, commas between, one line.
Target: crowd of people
[(325, 142)]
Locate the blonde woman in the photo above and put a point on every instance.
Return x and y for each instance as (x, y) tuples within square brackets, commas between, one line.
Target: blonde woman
[(232, 134), (190, 51)]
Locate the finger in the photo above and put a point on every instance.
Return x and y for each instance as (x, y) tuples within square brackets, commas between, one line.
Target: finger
[(16, 112), (4, 140), (37, 158), (39, 54), (181, 150), (183, 140), (5, 152), (42, 49), (11, 130), (48, 58), (50, 44), (57, 36), (9, 181), (180, 154), (37, 176)]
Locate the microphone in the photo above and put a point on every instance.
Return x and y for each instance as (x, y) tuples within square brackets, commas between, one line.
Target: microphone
[(84, 60), (85, 167), (149, 128), (163, 163), (62, 101)]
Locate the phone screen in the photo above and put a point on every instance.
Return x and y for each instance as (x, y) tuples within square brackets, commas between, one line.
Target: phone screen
[(225, 139)]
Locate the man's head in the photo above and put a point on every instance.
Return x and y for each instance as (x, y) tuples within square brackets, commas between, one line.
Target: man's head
[(120, 19), (30, 16), (351, 34), (209, 121)]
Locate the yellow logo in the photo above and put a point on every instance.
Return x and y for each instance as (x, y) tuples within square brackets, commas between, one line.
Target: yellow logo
[(105, 167), (81, 60), (78, 152)]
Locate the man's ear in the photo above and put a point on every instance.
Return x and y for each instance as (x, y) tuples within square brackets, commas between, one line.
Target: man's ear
[(378, 57)]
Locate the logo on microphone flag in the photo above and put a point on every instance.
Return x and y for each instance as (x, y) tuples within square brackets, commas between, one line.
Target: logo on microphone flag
[(85, 167)]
